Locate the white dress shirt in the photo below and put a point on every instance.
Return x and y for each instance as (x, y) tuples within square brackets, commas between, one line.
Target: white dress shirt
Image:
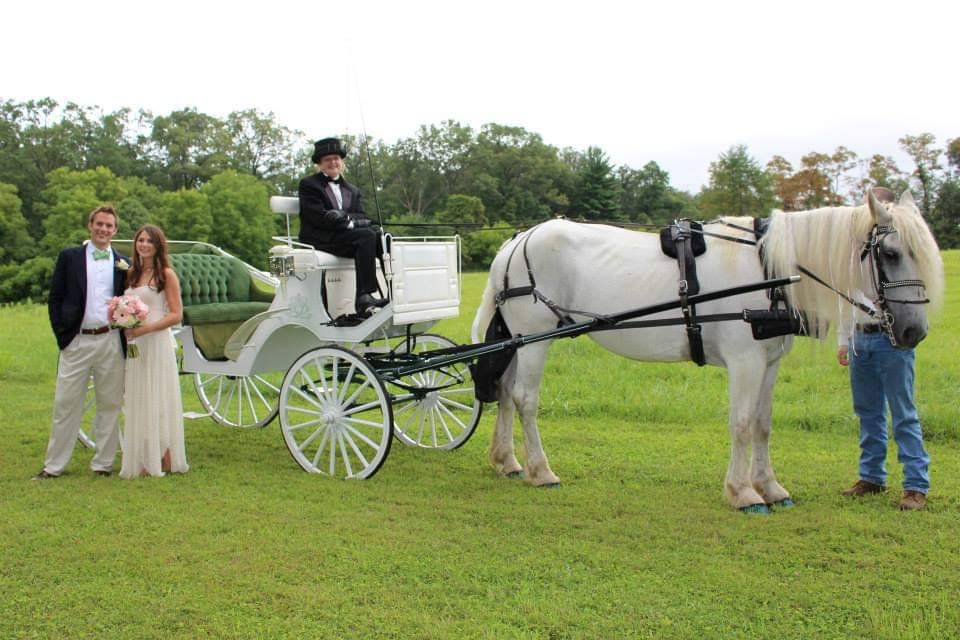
[(99, 289), (335, 187)]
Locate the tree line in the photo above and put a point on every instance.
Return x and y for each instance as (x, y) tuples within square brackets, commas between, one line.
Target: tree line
[(209, 179)]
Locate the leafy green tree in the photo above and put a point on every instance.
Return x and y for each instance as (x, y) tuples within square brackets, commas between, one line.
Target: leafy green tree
[(738, 186), (67, 200), (841, 161), (598, 192), (463, 208), (190, 147), (517, 175), (953, 154), (945, 220), (254, 142), (243, 222), (15, 242), (479, 247), (187, 216), (646, 195), (881, 171), (29, 280), (926, 159), (784, 187)]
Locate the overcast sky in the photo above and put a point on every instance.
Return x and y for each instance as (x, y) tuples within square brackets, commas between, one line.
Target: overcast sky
[(676, 82)]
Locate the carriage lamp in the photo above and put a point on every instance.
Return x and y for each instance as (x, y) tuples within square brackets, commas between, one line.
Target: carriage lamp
[(281, 266)]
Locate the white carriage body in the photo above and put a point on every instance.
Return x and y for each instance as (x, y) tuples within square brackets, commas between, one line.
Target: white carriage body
[(422, 283)]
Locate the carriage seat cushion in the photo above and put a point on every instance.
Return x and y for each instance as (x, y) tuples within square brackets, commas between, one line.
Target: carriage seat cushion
[(217, 289)]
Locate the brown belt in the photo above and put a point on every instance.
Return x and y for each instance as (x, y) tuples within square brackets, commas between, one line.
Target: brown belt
[(95, 332)]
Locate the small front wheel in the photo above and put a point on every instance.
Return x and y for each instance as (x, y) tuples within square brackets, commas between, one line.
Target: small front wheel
[(335, 414)]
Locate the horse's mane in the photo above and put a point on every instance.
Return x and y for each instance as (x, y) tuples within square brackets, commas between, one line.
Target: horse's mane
[(828, 243)]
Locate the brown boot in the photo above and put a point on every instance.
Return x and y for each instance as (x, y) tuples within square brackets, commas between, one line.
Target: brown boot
[(913, 501), (862, 488)]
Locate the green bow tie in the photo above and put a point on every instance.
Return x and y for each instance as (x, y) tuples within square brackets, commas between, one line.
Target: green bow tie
[(101, 254)]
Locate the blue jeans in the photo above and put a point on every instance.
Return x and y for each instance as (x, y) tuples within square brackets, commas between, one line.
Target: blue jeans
[(882, 375)]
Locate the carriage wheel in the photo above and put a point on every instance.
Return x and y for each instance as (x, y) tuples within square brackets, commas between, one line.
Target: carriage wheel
[(335, 414), (239, 401), (446, 415)]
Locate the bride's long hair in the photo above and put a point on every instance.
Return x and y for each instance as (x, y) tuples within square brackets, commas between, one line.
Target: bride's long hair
[(160, 259)]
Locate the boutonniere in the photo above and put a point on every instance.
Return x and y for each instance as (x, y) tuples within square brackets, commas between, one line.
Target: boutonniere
[(122, 265)]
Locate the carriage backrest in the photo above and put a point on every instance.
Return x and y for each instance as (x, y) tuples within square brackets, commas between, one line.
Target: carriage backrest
[(209, 279)]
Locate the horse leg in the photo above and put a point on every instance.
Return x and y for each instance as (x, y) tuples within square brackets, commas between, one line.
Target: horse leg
[(526, 396), (745, 382), (762, 476), (501, 454)]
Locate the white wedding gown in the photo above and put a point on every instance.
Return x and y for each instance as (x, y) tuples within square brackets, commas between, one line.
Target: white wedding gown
[(153, 410)]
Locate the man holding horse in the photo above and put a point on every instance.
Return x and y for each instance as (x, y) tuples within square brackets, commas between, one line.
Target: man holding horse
[(881, 375)]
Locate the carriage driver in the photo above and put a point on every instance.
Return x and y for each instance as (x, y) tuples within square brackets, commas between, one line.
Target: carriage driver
[(332, 220)]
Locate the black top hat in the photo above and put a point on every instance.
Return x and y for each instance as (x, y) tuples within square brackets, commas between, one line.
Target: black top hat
[(328, 147)]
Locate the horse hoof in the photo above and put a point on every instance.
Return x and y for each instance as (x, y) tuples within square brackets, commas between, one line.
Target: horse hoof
[(759, 509), (514, 475), (786, 503)]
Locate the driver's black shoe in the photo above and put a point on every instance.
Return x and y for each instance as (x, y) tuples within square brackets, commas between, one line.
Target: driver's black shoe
[(366, 303)]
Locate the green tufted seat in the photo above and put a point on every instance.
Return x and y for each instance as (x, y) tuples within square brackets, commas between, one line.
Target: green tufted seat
[(218, 296)]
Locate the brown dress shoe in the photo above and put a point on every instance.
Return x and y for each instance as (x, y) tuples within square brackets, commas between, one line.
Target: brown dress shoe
[(863, 487), (913, 501)]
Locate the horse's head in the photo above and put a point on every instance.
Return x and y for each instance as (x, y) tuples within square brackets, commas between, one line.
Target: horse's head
[(898, 266)]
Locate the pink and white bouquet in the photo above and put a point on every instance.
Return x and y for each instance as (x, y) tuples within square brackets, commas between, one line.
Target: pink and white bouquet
[(127, 312)]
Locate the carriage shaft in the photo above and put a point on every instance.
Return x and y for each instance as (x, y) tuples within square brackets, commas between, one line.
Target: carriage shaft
[(469, 352)]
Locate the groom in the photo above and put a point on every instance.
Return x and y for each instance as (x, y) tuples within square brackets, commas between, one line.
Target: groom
[(84, 280)]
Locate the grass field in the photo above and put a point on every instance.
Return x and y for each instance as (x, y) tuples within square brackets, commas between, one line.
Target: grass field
[(638, 542)]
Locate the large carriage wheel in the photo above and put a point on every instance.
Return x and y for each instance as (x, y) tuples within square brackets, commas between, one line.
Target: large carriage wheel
[(239, 401), (437, 408), (335, 414)]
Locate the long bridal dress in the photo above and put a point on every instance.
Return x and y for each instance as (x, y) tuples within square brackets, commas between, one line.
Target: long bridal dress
[(153, 410)]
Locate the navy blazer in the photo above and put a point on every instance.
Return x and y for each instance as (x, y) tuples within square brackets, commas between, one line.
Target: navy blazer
[(68, 292)]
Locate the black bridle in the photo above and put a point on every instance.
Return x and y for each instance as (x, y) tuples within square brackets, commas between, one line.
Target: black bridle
[(872, 251)]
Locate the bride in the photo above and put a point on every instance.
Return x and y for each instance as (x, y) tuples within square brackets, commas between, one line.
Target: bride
[(153, 425)]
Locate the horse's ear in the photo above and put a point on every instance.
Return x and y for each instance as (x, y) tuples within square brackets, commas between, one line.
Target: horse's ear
[(906, 198), (883, 195), (880, 214)]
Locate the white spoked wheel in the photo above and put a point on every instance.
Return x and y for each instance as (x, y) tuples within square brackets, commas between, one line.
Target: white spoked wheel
[(239, 401), (335, 414), (437, 408)]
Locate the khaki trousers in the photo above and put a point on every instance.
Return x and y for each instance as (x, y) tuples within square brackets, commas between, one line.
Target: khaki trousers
[(101, 355)]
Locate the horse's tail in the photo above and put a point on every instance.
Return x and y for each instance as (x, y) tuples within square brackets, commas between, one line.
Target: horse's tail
[(485, 312), (488, 305)]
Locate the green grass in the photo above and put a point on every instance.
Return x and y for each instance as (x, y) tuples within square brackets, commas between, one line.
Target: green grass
[(638, 542)]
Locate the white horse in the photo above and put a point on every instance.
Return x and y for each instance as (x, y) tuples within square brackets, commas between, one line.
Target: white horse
[(603, 269)]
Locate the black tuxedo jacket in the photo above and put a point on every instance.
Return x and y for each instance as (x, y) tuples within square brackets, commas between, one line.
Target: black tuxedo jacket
[(317, 225), (68, 292)]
